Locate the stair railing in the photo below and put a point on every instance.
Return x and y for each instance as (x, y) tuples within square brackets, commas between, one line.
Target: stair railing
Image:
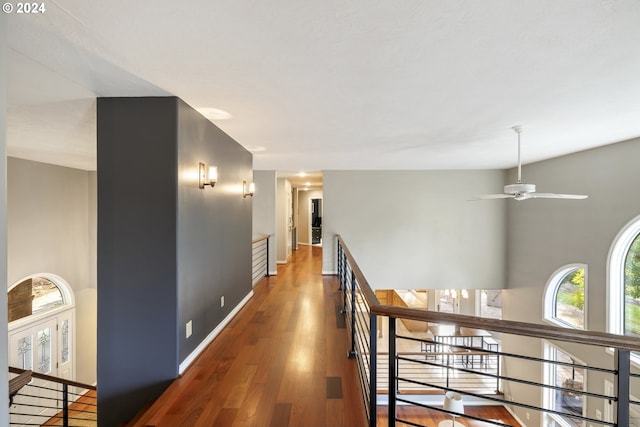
[(259, 258), (44, 400), (363, 312)]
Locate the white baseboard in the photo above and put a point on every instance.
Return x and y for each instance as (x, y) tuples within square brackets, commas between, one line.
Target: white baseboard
[(329, 273), (273, 273), (200, 348)]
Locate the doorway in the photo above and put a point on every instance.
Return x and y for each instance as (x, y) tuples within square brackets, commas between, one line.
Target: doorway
[(316, 221)]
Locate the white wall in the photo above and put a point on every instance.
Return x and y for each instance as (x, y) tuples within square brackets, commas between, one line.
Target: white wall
[(4, 339), (51, 229), (543, 235), (284, 219), (304, 207), (264, 211), (417, 229)]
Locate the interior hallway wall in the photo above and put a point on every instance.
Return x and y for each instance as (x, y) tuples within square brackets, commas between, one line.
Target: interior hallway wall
[(284, 219), (417, 229), (264, 212), (168, 251)]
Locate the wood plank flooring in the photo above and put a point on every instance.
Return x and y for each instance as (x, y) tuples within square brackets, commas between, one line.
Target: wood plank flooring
[(432, 418), (281, 362), (82, 412)]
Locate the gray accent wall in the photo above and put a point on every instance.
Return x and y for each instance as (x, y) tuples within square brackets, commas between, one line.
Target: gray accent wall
[(417, 229), (214, 228), (167, 250)]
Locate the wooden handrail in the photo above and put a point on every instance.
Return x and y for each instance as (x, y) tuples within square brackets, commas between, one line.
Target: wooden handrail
[(52, 379), (601, 339), (16, 384), (259, 239)]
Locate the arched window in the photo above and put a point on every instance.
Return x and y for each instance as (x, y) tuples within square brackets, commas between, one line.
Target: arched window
[(624, 281), (37, 294), (564, 300)]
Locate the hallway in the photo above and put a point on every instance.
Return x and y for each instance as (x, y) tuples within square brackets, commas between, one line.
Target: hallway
[(281, 361)]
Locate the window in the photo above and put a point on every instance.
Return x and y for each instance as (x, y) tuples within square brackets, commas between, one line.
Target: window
[(489, 303), (564, 300), (632, 289), (568, 374), (449, 300), (624, 281), (37, 295)]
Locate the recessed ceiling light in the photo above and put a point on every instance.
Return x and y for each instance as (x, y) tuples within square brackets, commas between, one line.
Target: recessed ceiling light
[(302, 174), (214, 113), (255, 148), (307, 184)]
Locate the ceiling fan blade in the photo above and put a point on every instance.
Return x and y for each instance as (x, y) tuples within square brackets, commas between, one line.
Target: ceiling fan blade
[(557, 196), (492, 196)]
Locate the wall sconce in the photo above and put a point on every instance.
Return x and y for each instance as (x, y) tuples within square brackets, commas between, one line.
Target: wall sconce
[(248, 188), (205, 179)]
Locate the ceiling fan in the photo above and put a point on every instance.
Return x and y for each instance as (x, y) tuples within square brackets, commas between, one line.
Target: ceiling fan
[(523, 191)]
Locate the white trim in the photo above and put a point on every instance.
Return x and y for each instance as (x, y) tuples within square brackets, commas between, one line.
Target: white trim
[(551, 290), (615, 275), (549, 379), (212, 335), (329, 272)]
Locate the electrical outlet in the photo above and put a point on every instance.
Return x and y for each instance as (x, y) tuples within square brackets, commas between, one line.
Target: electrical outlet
[(222, 301), (189, 328)]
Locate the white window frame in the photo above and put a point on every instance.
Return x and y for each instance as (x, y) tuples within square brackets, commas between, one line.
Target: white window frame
[(551, 291), (548, 393)]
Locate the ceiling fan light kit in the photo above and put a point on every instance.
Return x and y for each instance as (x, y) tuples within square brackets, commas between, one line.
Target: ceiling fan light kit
[(523, 191)]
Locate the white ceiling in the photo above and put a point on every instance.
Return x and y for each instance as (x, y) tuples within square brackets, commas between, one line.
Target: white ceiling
[(362, 84)]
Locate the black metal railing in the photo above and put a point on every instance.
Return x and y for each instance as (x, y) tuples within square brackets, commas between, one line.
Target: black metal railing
[(504, 374), (51, 401), (259, 259)]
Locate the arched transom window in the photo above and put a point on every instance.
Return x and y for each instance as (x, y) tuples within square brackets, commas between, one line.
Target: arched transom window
[(34, 295)]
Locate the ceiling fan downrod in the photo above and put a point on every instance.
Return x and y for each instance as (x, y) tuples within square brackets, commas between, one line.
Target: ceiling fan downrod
[(518, 130)]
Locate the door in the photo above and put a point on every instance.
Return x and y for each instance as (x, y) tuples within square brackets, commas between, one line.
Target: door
[(35, 347)]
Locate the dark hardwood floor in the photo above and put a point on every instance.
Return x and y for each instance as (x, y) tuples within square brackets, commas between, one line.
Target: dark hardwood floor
[(280, 362)]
